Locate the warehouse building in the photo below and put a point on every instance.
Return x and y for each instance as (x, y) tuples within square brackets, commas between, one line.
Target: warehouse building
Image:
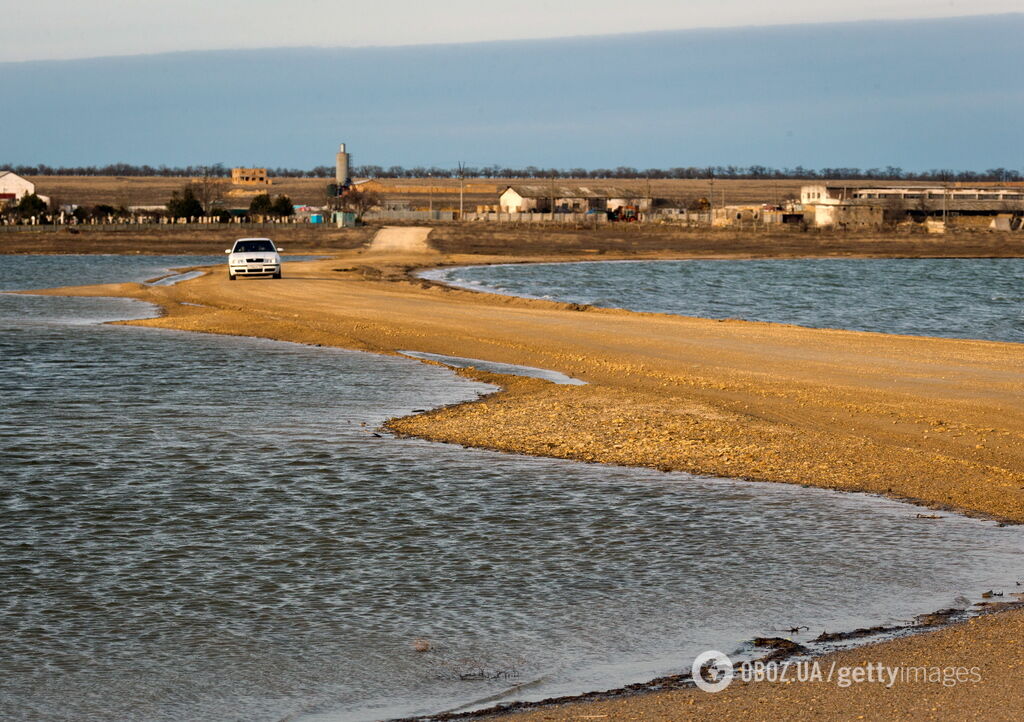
[(844, 205)]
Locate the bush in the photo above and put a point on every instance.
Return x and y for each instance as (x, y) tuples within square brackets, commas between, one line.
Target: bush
[(30, 205), (282, 206), (261, 205), (184, 204)]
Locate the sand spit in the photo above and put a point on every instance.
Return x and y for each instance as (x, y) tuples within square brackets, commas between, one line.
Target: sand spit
[(401, 240), (939, 421)]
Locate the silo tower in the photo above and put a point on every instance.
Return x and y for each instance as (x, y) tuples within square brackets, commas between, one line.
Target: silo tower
[(341, 175)]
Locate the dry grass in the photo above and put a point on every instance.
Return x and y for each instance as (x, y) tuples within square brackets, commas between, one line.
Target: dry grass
[(153, 191), (630, 238), (202, 240), (517, 241), (129, 191)]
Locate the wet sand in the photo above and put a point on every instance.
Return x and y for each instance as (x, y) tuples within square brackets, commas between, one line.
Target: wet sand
[(938, 421), (989, 649)]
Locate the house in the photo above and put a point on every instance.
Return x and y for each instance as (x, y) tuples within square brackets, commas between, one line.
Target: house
[(823, 195), (13, 187), (838, 206), (250, 176), (545, 197)]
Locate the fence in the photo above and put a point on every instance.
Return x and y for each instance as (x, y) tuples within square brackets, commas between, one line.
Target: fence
[(142, 227), (537, 217), (410, 215)]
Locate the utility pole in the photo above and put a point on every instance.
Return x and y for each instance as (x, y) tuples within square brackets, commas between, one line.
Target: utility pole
[(552, 195), (462, 184), (711, 199)]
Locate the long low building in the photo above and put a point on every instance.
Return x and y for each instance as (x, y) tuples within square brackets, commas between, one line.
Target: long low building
[(991, 199), (836, 205), (548, 197)]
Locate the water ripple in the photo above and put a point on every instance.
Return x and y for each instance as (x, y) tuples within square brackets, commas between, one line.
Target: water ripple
[(202, 527)]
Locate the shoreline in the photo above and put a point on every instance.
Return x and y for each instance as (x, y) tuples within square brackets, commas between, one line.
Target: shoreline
[(924, 624), (440, 424), (421, 275)]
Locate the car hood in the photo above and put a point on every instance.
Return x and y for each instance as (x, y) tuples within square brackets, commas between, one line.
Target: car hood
[(265, 256)]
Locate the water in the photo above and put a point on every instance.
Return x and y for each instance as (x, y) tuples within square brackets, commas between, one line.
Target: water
[(25, 272), (958, 298), (461, 362), (205, 527)]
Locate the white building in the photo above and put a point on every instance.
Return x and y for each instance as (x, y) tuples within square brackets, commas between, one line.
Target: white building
[(543, 197), (822, 195), (833, 205), (954, 194), (13, 187)]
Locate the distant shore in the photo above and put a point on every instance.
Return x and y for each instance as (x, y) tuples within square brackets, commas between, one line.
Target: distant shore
[(524, 242), (936, 421)]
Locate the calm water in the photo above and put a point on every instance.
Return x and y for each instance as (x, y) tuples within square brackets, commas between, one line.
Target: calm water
[(959, 298), (203, 527)]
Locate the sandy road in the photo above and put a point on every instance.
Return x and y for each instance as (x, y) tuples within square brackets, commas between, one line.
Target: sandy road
[(936, 420), (401, 240)]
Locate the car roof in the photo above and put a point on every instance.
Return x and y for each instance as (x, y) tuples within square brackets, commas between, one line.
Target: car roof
[(253, 239)]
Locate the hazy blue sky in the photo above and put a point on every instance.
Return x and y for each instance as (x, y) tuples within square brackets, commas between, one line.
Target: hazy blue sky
[(919, 94), (47, 29)]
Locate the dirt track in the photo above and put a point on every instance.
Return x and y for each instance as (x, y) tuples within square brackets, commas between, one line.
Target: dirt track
[(401, 239)]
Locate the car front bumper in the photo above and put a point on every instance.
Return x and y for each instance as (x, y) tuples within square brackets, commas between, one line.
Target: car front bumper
[(262, 269)]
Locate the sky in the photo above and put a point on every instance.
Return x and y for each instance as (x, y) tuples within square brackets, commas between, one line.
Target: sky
[(64, 29), (920, 94)]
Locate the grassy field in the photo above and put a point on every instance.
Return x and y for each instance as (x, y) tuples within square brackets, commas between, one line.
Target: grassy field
[(513, 240), (173, 240), (151, 191), (154, 191)]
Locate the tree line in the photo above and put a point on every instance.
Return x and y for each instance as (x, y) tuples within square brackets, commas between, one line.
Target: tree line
[(191, 202), (752, 172)]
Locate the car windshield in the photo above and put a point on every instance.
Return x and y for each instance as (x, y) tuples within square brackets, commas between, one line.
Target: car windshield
[(253, 246)]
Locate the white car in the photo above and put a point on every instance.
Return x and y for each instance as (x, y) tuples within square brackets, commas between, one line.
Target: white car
[(254, 257)]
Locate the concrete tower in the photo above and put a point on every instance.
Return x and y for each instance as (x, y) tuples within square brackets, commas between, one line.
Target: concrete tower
[(341, 176)]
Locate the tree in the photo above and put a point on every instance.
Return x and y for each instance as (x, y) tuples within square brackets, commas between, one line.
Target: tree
[(358, 202), (30, 205), (331, 196), (260, 205), (184, 204), (209, 188), (282, 206)]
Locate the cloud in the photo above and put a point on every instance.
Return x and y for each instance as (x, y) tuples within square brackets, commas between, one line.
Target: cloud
[(863, 94)]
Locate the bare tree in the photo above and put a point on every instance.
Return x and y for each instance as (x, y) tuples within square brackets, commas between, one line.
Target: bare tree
[(209, 190), (358, 202)]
